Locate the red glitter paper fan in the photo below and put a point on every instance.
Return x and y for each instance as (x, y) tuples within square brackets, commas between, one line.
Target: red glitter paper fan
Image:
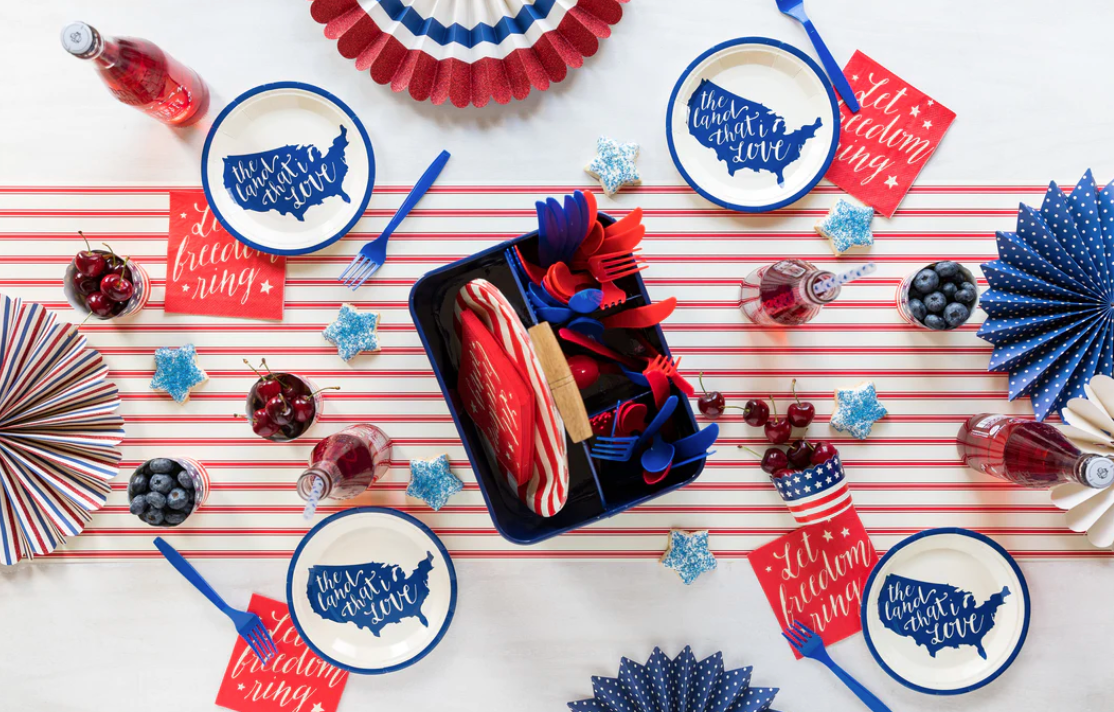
[(467, 51)]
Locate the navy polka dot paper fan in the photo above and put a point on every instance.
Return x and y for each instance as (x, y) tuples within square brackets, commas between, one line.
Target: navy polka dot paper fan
[(1050, 306), (678, 685)]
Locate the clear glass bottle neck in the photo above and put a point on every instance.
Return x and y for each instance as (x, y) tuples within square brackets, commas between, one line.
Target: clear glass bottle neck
[(326, 472), (806, 289), (1093, 471)]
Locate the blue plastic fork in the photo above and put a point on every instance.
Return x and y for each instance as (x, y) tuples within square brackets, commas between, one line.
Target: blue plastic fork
[(618, 449), (796, 10), (248, 625), (809, 644), (372, 255)]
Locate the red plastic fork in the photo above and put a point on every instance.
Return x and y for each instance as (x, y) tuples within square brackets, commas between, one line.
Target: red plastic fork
[(615, 265), (668, 366)]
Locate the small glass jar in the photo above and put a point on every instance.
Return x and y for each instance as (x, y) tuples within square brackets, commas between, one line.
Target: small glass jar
[(904, 296), (140, 281), (305, 387)]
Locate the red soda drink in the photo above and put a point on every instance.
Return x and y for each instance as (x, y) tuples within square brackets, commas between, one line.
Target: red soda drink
[(783, 293), (1028, 453), (140, 74), (346, 464)]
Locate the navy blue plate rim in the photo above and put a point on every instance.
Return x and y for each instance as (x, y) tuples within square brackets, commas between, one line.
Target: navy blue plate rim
[(271, 87), (371, 510), (937, 532), (835, 124)]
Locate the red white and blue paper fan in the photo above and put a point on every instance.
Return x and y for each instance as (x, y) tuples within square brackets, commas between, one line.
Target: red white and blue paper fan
[(467, 51), (59, 431), (1051, 298)]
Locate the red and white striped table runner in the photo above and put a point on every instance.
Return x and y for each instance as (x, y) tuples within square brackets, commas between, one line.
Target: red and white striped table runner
[(905, 478)]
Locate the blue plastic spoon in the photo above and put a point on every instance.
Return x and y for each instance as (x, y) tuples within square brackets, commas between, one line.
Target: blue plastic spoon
[(586, 301), (658, 457), (587, 326)]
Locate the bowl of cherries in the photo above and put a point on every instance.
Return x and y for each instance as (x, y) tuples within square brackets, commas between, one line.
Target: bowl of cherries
[(282, 406), (103, 285), (789, 450)]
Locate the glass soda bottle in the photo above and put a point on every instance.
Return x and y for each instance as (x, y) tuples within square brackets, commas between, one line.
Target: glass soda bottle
[(140, 74), (345, 464), (1028, 453), (783, 294)]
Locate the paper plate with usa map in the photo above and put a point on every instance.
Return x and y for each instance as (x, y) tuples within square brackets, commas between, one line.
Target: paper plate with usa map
[(371, 590), (287, 168), (752, 124), (946, 611)]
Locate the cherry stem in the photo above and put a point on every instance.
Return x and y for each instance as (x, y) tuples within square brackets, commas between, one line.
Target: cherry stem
[(261, 376), (112, 253), (264, 362), (793, 387), (738, 407), (752, 452), (326, 388), (88, 248), (700, 379), (773, 406)]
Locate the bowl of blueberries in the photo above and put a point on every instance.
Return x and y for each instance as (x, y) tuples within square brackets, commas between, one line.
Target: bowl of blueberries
[(164, 492), (940, 297)]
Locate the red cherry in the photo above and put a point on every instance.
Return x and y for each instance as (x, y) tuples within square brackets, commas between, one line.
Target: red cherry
[(778, 431), (756, 413), (279, 410), (800, 414), (800, 454), (90, 264), (773, 460), (116, 287), (712, 404), (784, 472), (823, 452), (99, 305), (262, 424), (87, 286), (267, 389), (118, 307), (304, 409), (292, 387)]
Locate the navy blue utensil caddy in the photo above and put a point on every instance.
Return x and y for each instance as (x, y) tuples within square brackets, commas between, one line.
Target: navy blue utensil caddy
[(597, 488)]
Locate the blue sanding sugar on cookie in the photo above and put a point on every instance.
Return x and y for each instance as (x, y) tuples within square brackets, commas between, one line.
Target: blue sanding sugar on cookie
[(353, 332), (176, 373), (857, 409), (432, 481), (614, 165), (688, 554), (847, 225)]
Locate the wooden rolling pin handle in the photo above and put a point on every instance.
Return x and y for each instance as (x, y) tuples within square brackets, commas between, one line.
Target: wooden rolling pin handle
[(561, 382)]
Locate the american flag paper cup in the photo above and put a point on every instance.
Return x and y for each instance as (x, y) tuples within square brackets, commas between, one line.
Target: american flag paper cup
[(815, 494)]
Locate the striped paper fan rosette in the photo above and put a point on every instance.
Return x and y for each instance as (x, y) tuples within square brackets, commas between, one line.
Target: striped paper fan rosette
[(59, 431), (467, 51)]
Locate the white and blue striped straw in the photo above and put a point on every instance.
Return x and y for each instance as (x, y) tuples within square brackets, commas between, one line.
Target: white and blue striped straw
[(834, 281)]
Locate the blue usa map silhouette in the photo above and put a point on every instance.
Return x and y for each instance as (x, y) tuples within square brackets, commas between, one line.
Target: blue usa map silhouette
[(289, 180), (744, 133), (371, 595), (937, 615)]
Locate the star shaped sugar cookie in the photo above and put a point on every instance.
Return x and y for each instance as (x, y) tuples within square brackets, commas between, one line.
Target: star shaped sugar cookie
[(614, 165), (688, 554), (432, 481), (856, 410), (847, 225), (353, 332), (176, 372)]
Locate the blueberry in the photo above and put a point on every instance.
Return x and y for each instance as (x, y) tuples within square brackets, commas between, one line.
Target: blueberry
[(154, 517), (934, 322), (185, 480), (161, 466), (173, 518), (926, 281), (955, 314), (965, 295), (934, 303), (177, 499), (138, 505), (949, 289), (137, 484), (947, 270), (156, 500), (161, 483), (143, 470), (916, 308)]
